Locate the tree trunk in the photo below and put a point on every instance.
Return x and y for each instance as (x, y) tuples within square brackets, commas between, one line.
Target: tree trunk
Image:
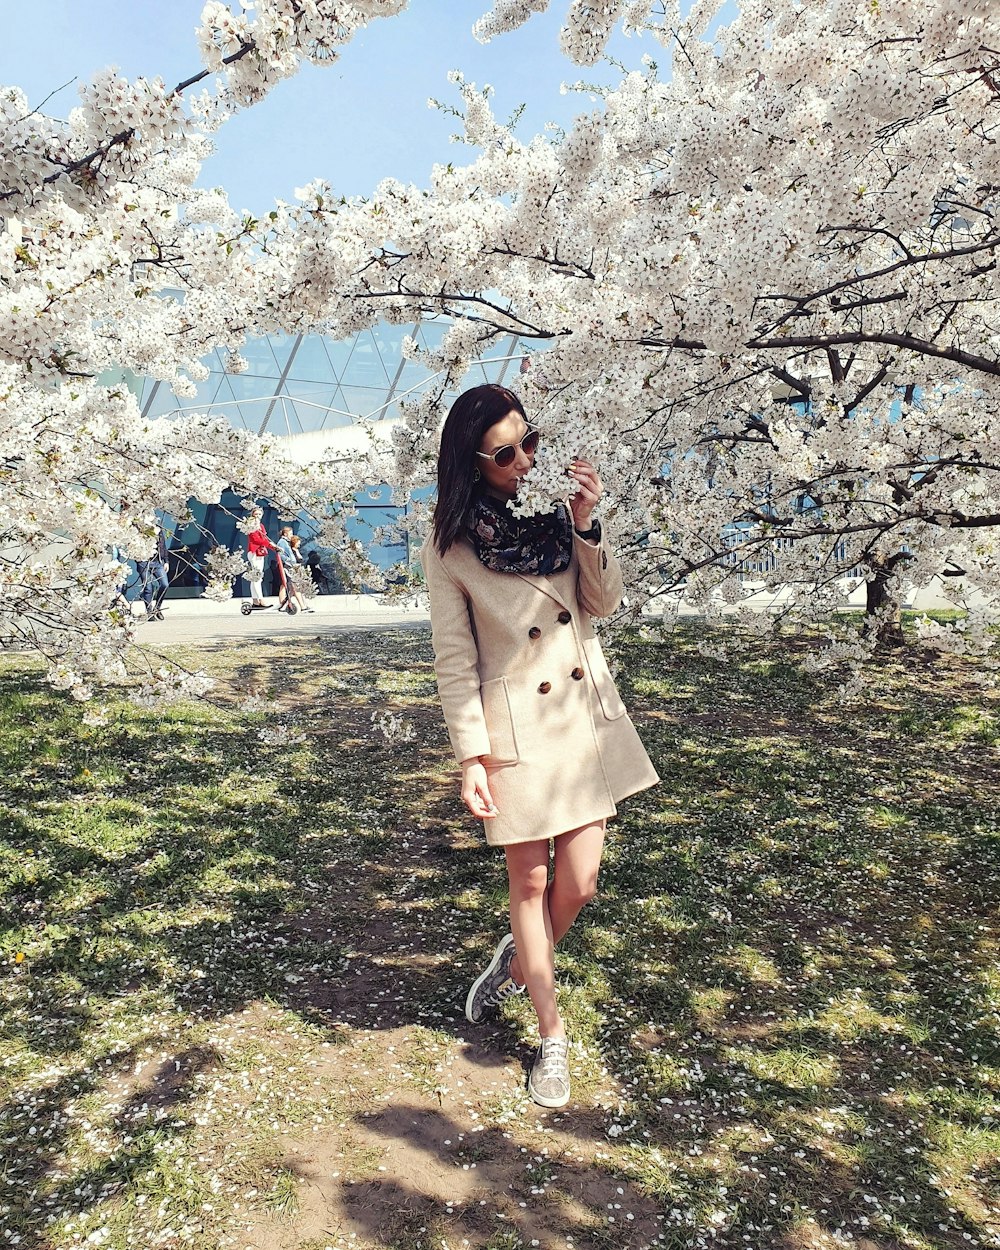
[(883, 616)]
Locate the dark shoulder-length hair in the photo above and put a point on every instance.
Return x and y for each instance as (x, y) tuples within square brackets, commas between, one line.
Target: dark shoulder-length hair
[(471, 415)]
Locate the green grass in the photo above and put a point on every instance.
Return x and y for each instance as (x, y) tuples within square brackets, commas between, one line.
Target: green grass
[(234, 940)]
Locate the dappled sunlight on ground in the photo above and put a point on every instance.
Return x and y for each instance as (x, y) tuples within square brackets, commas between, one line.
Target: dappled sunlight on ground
[(237, 939)]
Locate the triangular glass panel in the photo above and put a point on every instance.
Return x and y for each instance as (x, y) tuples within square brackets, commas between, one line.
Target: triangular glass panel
[(388, 338), (365, 367), (279, 345), (315, 405), (364, 401), (431, 333), (339, 353), (250, 387), (163, 403), (311, 363), (207, 392), (413, 374)]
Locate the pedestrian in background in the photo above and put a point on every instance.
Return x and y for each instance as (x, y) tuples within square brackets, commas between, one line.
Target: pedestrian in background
[(120, 601), (319, 578), (286, 593), (153, 577), (258, 545), (295, 542)]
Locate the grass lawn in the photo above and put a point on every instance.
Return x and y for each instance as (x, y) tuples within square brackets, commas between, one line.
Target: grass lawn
[(236, 939)]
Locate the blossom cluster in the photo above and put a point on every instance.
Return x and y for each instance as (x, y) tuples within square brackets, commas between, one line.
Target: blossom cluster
[(765, 286), (114, 267)]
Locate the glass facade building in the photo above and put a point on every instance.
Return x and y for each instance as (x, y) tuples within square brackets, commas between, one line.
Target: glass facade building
[(307, 384), (301, 384)]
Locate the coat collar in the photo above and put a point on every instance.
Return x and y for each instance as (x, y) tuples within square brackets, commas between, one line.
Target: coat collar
[(545, 585), (538, 581)]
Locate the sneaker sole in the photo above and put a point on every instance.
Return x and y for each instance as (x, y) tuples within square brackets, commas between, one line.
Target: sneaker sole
[(491, 968)]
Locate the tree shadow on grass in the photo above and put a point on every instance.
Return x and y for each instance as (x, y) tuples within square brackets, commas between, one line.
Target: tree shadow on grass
[(140, 1129), (179, 862), (813, 947), (787, 973), (444, 1178)]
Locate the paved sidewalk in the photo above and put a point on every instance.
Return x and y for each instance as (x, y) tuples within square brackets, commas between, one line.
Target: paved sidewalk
[(204, 620), (194, 620)]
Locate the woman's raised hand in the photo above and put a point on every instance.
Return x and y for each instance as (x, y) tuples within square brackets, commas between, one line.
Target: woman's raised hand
[(585, 500), (476, 790)]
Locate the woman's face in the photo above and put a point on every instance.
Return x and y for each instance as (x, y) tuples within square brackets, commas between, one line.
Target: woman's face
[(508, 431)]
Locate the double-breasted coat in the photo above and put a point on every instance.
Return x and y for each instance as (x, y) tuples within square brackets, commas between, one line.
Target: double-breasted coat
[(524, 685)]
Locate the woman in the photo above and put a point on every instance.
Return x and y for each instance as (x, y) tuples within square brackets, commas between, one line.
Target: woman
[(258, 545), (545, 744)]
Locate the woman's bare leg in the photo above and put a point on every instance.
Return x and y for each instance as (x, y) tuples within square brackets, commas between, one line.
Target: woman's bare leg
[(552, 905), (528, 875), (574, 882)]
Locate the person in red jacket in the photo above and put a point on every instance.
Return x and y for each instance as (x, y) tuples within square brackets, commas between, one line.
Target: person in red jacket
[(258, 545)]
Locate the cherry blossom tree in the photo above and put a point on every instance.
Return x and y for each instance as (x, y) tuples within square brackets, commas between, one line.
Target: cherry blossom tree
[(764, 275), (112, 262), (768, 289)]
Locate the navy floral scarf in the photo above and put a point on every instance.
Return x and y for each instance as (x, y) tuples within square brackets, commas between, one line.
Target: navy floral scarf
[(508, 544)]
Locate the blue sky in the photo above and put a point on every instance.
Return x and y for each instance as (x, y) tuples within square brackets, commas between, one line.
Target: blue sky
[(355, 122)]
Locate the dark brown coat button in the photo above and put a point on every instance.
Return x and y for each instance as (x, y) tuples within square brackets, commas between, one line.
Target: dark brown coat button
[(545, 687), (564, 617), (577, 674), (534, 632)]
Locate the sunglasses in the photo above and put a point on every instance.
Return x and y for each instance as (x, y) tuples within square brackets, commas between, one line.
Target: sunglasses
[(504, 456)]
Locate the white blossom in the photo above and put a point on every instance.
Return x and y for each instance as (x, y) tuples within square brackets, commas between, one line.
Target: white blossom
[(805, 211)]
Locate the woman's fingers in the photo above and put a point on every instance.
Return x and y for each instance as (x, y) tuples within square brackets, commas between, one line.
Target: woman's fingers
[(476, 794), (588, 493), (584, 473), (486, 801), (481, 797)]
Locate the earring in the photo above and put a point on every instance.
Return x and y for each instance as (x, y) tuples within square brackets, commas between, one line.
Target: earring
[(476, 475)]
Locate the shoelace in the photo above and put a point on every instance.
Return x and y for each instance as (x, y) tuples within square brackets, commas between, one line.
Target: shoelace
[(504, 990), (555, 1051)]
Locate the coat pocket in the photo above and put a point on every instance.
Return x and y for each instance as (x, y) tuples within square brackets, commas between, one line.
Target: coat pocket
[(604, 683), (499, 723)]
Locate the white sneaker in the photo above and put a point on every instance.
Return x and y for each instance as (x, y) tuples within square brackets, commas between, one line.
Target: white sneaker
[(548, 1083)]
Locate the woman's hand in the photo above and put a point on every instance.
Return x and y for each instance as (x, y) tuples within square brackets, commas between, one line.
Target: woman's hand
[(585, 500), (476, 790)]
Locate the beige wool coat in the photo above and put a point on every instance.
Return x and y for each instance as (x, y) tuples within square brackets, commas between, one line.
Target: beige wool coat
[(524, 685)]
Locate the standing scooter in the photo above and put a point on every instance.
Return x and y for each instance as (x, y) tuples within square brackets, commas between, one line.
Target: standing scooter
[(246, 607)]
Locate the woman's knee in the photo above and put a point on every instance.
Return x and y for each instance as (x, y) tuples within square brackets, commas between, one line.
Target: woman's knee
[(528, 881), (576, 891)]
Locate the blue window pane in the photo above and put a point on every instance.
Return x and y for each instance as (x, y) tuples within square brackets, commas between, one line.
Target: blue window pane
[(365, 367), (249, 386), (162, 402), (321, 405), (431, 333), (312, 362), (280, 346), (363, 401), (388, 340)]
